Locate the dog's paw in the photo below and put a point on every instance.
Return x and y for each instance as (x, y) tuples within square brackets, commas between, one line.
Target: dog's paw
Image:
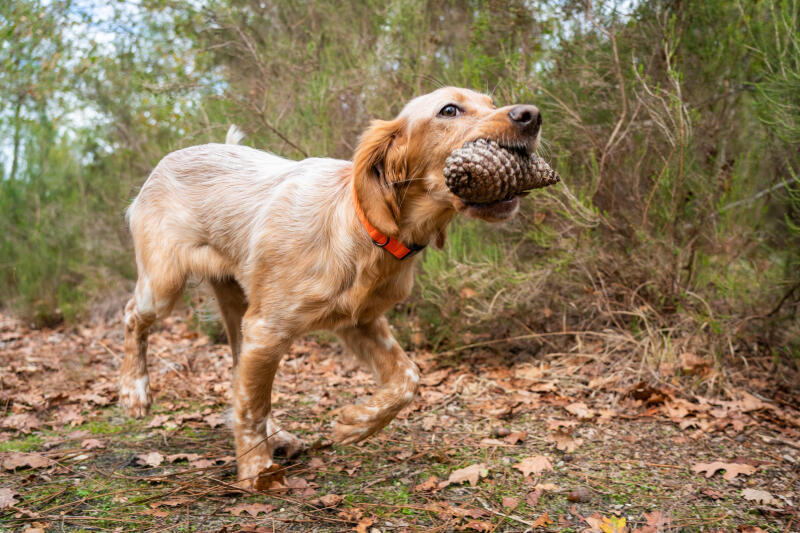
[(286, 443), (134, 396), (350, 434), (260, 474)]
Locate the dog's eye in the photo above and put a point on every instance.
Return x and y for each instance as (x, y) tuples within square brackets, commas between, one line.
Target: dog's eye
[(449, 110)]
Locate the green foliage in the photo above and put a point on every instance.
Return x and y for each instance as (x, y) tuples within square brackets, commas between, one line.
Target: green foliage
[(674, 125)]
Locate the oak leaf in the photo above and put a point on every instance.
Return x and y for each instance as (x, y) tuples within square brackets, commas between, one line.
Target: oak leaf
[(16, 460), (430, 484), (534, 465), (731, 469), (542, 521), (471, 473), (253, 509), (760, 496), (7, 498), (92, 444), (510, 502), (331, 500), (150, 459), (581, 410)]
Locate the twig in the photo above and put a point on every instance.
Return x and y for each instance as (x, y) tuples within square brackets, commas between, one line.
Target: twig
[(511, 516)]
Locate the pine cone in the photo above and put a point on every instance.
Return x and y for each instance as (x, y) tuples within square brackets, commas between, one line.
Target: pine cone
[(483, 172)]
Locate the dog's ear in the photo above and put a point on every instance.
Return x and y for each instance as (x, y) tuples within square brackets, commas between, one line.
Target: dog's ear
[(379, 162)]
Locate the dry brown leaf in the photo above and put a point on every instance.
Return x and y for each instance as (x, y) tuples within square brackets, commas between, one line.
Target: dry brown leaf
[(760, 496), (183, 456), (430, 484), (542, 521), (693, 363), (471, 474), (253, 509), (532, 498), (534, 465), (92, 444), (564, 441), (169, 503), (363, 524), (16, 460), (515, 437), (509, 502), (270, 478), (476, 525), (556, 425), (7, 498), (158, 421), (150, 459), (580, 409), (731, 469), (215, 420), (331, 500)]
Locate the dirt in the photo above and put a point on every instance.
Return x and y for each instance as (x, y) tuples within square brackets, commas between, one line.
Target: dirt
[(495, 442)]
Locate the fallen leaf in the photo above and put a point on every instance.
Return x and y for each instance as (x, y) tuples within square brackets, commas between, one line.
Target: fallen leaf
[(713, 494), (731, 469), (693, 363), (23, 422), (476, 525), (253, 509), (509, 502), (183, 457), (534, 465), (158, 421), (363, 524), (270, 478), (515, 437), (316, 463), (331, 500), (580, 409), (579, 494), (430, 484), (532, 498), (215, 420), (16, 460), (471, 473), (150, 459), (92, 444), (7, 498), (169, 503), (564, 441), (542, 521), (760, 496), (613, 524)]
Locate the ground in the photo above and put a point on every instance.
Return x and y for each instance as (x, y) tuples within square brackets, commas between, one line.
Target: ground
[(498, 440)]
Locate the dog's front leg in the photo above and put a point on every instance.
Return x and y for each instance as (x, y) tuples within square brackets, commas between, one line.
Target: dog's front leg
[(397, 375), (262, 350)]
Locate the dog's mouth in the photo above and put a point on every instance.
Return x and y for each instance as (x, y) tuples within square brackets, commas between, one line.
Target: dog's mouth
[(492, 211), (487, 177)]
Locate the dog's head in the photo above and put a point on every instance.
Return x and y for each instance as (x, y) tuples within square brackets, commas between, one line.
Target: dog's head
[(399, 164)]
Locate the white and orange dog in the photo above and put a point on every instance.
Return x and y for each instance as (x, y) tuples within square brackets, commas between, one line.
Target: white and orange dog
[(294, 246)]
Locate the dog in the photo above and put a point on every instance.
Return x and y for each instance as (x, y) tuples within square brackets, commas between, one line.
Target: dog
[(289, 247)]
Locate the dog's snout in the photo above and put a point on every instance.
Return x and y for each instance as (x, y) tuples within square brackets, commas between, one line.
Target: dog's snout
[(527, 118)]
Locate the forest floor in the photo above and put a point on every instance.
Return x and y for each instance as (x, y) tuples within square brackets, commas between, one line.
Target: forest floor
[(495, 441)]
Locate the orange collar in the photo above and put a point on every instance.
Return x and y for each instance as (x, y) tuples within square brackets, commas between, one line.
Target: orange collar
[(390, 244)]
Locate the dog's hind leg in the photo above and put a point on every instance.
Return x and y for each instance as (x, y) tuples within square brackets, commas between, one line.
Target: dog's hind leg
[(398, 377), (263, 345), (154, 298), (232, 304)]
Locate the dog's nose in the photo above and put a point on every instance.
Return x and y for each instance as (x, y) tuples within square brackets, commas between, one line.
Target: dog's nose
[(527, 118)]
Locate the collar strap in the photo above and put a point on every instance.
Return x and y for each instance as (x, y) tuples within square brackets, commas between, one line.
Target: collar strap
[(390, 244)]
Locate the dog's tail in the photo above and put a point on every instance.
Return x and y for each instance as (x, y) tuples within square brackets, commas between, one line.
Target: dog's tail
[(234, 135)]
